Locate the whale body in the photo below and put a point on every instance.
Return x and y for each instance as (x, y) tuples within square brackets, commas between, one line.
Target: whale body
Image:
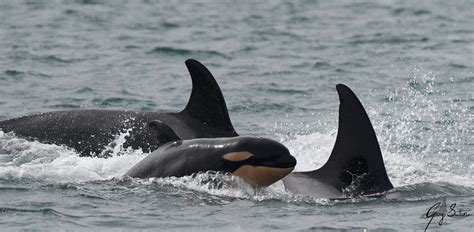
[(258, 161)]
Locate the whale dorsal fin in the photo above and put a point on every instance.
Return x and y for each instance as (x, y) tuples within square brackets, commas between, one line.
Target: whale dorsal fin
[(356, 157), (206, 103), (164, 133)]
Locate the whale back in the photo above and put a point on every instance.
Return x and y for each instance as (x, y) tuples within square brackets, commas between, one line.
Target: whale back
[(91, 132)]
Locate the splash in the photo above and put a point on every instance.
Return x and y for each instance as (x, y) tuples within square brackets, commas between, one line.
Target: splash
[(423, 136), (116, 147), (20, 159)]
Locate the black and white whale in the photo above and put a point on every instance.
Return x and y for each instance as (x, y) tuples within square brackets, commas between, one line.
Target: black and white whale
[(355, 166), (89, 131), (258, 161)]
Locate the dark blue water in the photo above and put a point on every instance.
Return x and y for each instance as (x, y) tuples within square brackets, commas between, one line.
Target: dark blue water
[(410, 63)]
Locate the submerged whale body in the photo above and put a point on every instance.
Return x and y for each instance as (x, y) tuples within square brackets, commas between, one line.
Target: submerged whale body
[(258, 161), (89, 131), (355, 166)]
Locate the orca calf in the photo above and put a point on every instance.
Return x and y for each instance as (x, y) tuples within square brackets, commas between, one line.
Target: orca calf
[(355, 166), (258, 161), (89, 131)]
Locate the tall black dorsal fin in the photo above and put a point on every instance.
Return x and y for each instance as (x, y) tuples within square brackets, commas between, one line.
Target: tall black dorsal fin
[(206, 103), (356, 157), (164, 132)]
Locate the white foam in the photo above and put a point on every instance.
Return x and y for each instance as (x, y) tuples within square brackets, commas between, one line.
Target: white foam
[(219, 184), (34, 160), (225, 185)]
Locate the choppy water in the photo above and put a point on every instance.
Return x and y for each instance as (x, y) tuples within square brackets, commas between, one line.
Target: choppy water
[(411, 64)]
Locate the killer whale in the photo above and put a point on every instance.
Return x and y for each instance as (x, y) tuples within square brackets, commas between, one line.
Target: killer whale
[(89, 131), (355, 166), (258, 161)]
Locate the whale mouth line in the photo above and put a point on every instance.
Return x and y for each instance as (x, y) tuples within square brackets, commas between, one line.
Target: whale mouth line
[(261, 176)]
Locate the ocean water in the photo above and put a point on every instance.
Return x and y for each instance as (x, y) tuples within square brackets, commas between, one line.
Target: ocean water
[(410, 62)]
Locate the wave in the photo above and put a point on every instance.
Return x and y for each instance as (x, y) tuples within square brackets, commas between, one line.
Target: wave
[(257, 107), (186, 52), (380, 38)]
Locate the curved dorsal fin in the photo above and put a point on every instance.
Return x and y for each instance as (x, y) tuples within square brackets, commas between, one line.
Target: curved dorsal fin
[(356, 153), (206, 103), (164, 132)]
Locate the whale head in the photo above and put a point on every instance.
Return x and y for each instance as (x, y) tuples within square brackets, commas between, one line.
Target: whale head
[(259, 161)]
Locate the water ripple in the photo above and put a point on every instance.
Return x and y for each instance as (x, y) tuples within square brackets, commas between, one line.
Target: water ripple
[(379, 38), (44, 211), (172, 51)]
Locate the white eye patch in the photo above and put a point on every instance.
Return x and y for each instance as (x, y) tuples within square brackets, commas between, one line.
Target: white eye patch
[(237, 156)]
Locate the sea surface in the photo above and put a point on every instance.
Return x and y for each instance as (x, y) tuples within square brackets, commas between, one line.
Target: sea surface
[(411, 63)]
